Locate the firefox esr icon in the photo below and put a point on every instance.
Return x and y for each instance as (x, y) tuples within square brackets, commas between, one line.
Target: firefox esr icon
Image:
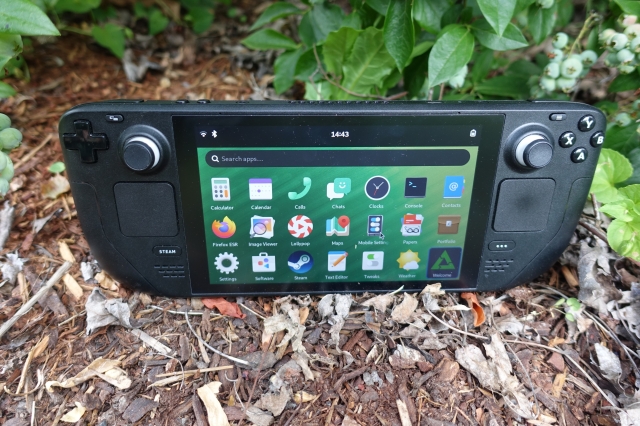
[(225, 228)]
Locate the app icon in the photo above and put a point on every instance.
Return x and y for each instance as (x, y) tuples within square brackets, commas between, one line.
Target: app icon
[(263, 263), (415, 187), (453, 186), (224, 229), (338, 188), (261, 227), (444, 262), (448, 224), (377, 187), (337, 261), (338, 226), (372, 260), (221, 189), (306, 182), (411, 225), (408, 260), (260, 189), (300, 226), (375, 226), (300, 262), (226, 263)]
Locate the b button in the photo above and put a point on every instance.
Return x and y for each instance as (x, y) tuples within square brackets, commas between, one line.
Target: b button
[(579, 155), (597, 139)]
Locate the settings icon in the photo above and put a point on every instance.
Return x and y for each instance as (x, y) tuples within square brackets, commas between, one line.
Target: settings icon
[(226, 263)]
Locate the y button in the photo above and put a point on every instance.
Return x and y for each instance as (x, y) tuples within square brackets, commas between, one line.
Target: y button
[(586, 123)]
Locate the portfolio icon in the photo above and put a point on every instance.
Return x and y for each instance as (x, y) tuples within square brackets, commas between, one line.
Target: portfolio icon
[(448, 224), (263, 263)]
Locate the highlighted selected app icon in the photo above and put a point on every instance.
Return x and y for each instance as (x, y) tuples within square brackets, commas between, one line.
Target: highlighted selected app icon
[(225, 228)]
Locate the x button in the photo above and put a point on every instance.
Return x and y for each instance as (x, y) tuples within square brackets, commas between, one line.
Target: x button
[(85, 141)]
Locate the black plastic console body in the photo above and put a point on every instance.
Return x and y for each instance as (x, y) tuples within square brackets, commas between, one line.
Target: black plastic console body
[(131, 167)]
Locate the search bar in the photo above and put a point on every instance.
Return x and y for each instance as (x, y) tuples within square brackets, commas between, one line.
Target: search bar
[(340, 157)]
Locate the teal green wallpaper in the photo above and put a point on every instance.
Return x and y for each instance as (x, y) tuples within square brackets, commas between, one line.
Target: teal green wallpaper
[(267, 224)]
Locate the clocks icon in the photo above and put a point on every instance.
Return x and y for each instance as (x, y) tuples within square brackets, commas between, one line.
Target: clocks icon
[(377, 187)]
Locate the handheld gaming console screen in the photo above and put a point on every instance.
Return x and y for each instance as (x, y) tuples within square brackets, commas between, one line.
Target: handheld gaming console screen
[(309, 200)]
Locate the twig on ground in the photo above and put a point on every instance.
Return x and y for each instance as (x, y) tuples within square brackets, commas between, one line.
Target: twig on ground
[(33, 152), (477, 336), (255, 383), (595, 231), (6, 221), (36, 297), (596, 208), (349, 376), (252, 311)]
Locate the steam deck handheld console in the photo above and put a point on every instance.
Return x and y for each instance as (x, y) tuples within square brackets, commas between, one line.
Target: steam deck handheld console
[(212, 198)]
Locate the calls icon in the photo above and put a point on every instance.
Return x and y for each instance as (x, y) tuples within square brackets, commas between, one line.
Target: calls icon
[(297, 195)]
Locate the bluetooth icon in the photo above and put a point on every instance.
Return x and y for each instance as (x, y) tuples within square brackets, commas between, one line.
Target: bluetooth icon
[(214, 134)]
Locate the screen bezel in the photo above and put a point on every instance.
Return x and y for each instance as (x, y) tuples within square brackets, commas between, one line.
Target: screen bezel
[(489, 142)]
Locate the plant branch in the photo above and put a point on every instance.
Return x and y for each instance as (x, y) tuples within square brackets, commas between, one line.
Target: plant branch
[(74, 30), (591, 19)]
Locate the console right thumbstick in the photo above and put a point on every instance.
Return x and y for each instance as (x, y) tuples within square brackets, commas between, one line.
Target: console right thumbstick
[(534, 151), (141, 154)]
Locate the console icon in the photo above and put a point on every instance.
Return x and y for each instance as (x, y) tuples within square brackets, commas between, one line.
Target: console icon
[(221, 189), (306, 182), (263, 263), (377, 187), (444, 262), (337, 261), (224, 229), (453, 187), (262, 227), (260, 189), (226, 263), (411, 225), (372, 260), (300, 226), (338, 226), (408, 260), (415, 187), (300, 262)]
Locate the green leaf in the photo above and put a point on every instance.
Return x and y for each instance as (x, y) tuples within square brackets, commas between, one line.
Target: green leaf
[(352, 20), (622, 139), (574, 304), (451, 15), (307, 65), (631, 7), (320, 21), (523, 68), (157, 22), (622, 209), (111, 37), (337, 48), (522, 5), (498, 13), (369, 63), (634, 159), (201, 19), (511, 39), (510, 86), (76, 6), (10, 46), (399, 36), (421, 48), (482, 65), (269, 39), (380, 6), (275, 11), (569, 317), (6, 90), (565, 13), (451, 52), (541, 22), (318, 91), (139, 10), (612, 169), (25, 18), (415, 74), (285, 69), (429, 13), (624, 238), (57, 167), (624, 82)]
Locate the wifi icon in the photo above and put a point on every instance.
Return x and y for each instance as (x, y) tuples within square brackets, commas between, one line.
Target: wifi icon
[(203, 133)]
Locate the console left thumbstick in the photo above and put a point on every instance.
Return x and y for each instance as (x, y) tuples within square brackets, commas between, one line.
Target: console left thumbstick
[(141, 154)]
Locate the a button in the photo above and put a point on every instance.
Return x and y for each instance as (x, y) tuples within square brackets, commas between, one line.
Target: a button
[(567, 139), (502, 245), (579, 155), (557, 116), (597, 139), (586, 123), (203, 101), (182, 101), (114, 118), (85, 141), (167, 251)]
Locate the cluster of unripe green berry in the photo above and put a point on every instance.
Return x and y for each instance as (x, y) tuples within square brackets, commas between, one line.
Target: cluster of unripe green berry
[(10, 138), (623, 48), (457, 81), (564, 68), (625, 119)]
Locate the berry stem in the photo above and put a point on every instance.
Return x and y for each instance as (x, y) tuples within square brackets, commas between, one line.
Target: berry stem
[(591, 19)]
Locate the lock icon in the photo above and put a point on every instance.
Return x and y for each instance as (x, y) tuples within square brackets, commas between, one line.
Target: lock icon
[(472, 133)]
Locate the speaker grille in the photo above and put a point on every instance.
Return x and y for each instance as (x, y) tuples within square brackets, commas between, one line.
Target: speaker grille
[(170, 271), (497, 265)]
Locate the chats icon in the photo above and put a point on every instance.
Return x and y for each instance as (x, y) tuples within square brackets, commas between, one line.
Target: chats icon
[(338, 188)]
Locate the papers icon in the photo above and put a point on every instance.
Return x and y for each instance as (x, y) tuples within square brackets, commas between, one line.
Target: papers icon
[(411, 225)]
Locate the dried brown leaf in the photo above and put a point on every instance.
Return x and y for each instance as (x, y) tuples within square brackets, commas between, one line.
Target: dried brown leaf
[(55, 186)]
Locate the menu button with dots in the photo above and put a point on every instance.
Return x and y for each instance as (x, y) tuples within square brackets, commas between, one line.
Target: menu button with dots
[(502, 245)]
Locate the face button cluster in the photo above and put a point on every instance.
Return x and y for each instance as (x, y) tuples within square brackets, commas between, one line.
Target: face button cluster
[(568, 139)]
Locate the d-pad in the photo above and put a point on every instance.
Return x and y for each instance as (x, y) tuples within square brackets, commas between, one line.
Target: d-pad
[(85, 141)]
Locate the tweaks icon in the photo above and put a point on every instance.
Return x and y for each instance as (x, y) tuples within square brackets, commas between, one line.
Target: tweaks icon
[(372, 260)]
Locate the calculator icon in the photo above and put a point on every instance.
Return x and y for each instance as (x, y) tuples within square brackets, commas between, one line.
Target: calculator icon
[(221, 189)]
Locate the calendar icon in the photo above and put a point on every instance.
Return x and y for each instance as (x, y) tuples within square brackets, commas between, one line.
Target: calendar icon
[(260, 189)]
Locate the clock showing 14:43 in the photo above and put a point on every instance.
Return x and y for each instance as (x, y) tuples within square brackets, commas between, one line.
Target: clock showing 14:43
[(377, 187)]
